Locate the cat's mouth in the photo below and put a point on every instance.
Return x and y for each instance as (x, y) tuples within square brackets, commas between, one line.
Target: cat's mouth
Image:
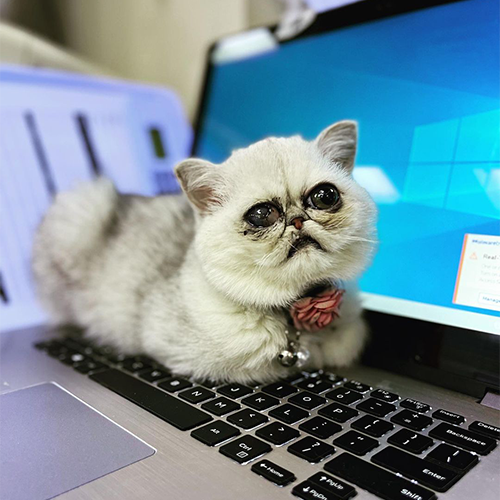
[(302, 242)]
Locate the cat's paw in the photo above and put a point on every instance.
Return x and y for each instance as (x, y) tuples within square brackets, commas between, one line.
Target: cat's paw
[(344, 346)]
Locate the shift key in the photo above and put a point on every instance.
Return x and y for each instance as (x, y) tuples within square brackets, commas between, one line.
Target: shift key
[(376, 480)]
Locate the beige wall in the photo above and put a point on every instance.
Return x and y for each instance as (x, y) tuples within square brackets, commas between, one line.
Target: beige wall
[(159, 41)]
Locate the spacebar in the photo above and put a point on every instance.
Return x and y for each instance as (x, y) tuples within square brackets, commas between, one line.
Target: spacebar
[(159, 403), (376, 480)]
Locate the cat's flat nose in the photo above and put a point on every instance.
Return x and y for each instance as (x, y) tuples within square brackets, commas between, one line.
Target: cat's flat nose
[(298, 222)]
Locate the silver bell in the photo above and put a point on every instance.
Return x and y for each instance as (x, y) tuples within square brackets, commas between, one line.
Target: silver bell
[(287, 358), (303, 356)]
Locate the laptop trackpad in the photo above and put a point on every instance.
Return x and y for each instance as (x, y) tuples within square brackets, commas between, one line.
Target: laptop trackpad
[(51, 442)]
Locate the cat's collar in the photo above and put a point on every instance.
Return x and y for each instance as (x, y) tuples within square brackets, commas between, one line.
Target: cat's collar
[(310, 313), (315, 312)]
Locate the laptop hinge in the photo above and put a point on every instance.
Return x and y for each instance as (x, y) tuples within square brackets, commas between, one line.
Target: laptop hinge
[(491, 399)]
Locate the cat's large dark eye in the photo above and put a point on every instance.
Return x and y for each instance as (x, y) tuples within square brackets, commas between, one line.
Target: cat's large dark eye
[(323, 197), (262, 215)]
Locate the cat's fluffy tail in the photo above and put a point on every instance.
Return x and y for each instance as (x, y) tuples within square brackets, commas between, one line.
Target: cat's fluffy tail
[(74, 228)]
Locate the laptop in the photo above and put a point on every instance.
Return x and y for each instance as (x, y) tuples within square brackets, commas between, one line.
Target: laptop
[(419, 418)]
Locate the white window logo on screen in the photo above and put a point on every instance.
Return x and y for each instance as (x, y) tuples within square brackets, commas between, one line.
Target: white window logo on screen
[(478, 277), (454, 164)]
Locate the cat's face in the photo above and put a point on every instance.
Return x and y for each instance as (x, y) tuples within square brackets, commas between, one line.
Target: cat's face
[(281, 216)]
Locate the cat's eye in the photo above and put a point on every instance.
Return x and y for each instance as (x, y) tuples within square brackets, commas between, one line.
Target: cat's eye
[(323, 197), (262, 215)]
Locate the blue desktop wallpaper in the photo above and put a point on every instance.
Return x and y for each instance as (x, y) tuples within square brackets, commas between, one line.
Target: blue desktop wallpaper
[(424, 87)]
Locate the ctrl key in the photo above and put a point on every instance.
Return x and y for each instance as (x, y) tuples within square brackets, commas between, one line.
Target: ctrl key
[(245, 449), (273, 472)]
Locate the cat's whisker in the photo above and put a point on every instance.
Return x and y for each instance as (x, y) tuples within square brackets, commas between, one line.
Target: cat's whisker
[(354, 238)]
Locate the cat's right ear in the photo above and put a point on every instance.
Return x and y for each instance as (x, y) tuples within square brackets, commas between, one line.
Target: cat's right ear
[(201, 182)]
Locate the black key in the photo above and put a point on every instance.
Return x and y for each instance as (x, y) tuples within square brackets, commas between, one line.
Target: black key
[(277, 433), (464, 438), (486, 429), (356, 443), (311, 449), (316, 385), (72, 358), (320, 427), (410, 441), (79, 344), (54, 348), (448, 416), (78, 357), (333, 485), (338, 412), (154, 375), (432, 475), (159, 403), (310, 491), (215, 433), (245, 449), (110, 353), (343, 395), (64, 355), (357, 386), (280, 390), (196, 394), (273, 473), (372, 426), (44, 345), (332, 378), (253, 385), (289, 414), (209, 384), (376, 407), (174, 384), (294, 378), (89, 366), (247, 419), (220, 406), (234, 391), (135, 364), (413, 404), (412, 420), (260, 401), (450, 456), (384, 395), (376, 480), (307, 400)]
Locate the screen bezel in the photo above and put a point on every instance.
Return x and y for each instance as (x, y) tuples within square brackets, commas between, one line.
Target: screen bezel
[(405, 345)]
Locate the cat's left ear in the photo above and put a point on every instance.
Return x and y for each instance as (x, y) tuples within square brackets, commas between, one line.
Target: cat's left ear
[(201, 182), (338, 143)]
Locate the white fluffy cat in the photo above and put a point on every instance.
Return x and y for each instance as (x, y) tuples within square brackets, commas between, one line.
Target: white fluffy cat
[(203, 282)]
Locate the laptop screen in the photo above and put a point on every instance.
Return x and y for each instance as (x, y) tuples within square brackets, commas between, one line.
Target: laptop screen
[(424, 88)]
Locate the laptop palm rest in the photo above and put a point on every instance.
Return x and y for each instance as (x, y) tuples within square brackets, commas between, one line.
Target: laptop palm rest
[(51, 442)]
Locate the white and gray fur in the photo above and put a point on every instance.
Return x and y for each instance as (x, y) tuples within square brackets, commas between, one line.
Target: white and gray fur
[(187, 281)]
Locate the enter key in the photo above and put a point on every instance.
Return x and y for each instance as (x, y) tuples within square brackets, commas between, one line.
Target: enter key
[(432, 475)]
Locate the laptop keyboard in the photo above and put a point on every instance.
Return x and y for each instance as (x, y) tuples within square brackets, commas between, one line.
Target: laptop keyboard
[(320, 417)]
